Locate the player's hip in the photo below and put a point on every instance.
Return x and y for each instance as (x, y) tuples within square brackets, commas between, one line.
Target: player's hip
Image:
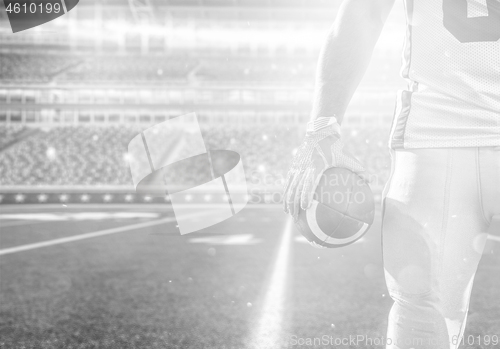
[(425, 179), (426, 119)]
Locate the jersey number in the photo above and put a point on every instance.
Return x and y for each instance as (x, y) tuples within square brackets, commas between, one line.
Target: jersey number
[(474, 29)]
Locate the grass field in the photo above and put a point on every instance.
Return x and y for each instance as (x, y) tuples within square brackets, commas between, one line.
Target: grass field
[(123, 277)]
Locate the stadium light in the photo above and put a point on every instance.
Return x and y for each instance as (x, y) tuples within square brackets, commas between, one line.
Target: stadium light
[(20, 198)]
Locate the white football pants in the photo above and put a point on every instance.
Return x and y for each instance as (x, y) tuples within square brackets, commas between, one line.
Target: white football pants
[(438, 206)]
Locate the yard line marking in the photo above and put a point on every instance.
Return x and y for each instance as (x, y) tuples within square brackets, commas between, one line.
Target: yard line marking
[(89, 235), (268, 333), (494, 238)]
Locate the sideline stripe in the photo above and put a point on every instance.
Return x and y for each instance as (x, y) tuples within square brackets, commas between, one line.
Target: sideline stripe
[(89, 235), (268, 333), (133, 206), (18, 223), (494, 238)]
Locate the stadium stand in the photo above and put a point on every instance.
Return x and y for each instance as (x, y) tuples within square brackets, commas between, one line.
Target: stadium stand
[(370, 146), (119, 69), (270, 70), (70, 102), (9, 134), (33, 68), (98, 155), (68, 156)]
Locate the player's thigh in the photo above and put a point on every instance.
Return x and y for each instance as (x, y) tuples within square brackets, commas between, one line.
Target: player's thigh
[(412, 205), (432, 217)]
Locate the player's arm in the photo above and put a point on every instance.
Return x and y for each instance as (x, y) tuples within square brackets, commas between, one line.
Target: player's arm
[(346, 54), (343, 62)]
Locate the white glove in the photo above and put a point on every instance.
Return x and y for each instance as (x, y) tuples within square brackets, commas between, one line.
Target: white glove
[(321, 149)]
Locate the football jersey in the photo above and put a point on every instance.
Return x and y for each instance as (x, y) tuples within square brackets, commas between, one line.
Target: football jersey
[(451, 59)]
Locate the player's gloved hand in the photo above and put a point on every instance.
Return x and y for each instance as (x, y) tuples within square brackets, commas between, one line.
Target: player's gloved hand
[(320, 150)]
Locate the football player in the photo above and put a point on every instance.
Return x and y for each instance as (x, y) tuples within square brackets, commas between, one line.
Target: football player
[(445, 144)]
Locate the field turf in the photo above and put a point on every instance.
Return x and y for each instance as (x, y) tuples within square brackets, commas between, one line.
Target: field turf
[(150, 287)]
